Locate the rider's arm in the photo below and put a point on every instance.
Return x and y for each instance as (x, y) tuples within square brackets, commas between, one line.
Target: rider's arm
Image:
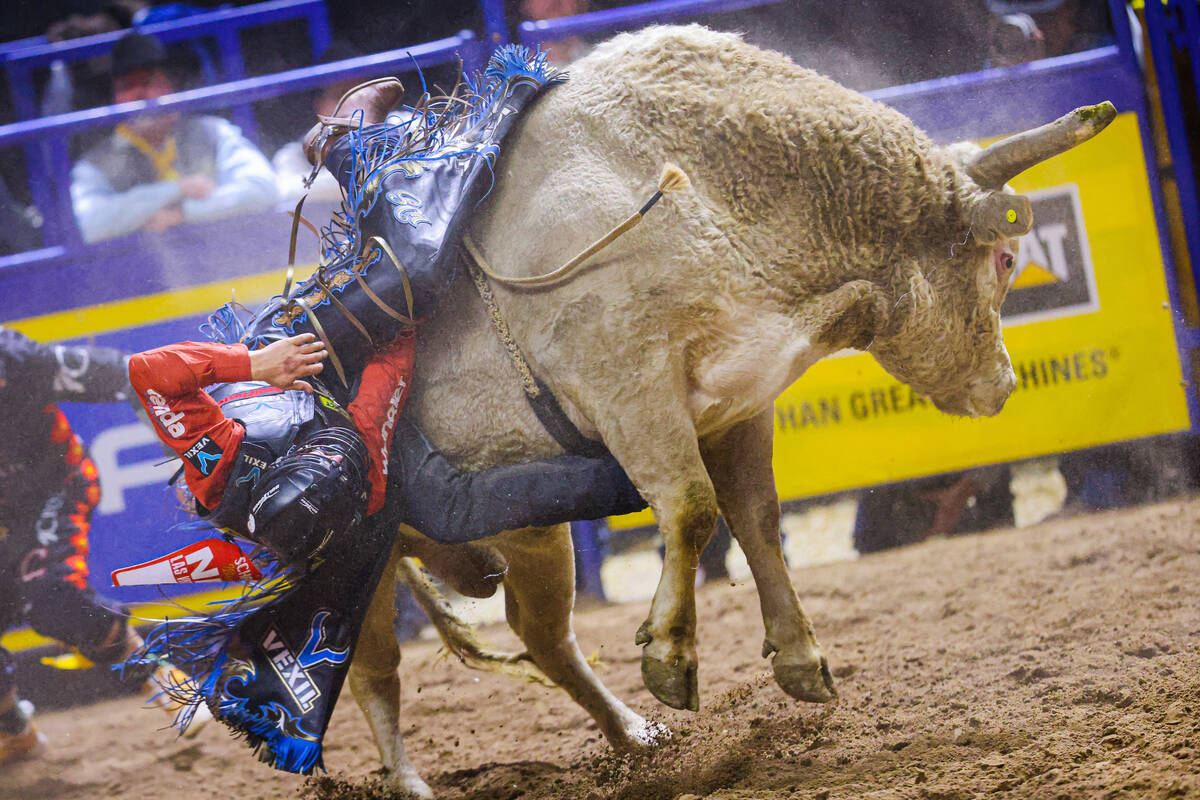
[(245, 179), (169, 384), (102, 212), (182, 369)]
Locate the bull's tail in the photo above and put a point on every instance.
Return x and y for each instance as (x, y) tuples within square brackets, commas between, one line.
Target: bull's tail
[(458, 636)]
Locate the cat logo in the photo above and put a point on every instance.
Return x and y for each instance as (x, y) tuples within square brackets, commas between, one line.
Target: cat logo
[(1054, 276)]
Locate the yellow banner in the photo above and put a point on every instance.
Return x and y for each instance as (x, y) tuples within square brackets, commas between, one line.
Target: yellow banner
[(1088, 325)]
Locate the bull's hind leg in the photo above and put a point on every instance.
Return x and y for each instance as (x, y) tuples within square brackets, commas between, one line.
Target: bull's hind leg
[(739, 462), (375, 683), (539, 592)]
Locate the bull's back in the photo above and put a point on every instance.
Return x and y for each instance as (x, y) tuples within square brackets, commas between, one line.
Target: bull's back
[(575, 165), (585, 156)]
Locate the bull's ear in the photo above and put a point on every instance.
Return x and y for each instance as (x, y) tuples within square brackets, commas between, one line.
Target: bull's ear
[(998, 216)]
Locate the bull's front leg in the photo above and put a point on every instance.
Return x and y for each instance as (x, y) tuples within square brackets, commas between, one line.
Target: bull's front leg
[(687, 516), (670, 474), (739, 463)]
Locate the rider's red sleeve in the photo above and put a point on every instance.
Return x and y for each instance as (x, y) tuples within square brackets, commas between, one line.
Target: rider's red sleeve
[(169, 383), (380, 398)]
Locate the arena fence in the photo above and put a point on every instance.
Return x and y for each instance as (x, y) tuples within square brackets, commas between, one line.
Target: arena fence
[(22, 59), (1173, 29), (53, 134)]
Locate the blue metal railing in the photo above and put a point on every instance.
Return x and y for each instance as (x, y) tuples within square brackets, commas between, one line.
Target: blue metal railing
[(20, 44), (538, 32), (224, 26), (53, 133), (1173, 29)]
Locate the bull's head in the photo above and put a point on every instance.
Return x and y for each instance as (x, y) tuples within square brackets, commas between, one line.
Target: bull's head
[(945, 337)]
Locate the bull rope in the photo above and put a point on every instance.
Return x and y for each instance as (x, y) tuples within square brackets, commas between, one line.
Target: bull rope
[(671, 179), (541, 399)]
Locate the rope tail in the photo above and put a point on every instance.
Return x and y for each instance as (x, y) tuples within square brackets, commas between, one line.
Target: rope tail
[(458, 636)]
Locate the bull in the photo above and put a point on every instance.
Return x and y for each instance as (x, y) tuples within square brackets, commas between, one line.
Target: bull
[(818, 220)]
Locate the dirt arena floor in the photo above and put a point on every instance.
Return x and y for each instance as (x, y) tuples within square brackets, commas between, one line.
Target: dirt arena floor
[(1057, 661)]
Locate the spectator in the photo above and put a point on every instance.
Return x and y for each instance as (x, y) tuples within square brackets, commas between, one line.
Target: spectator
[(159, 171), (1024, 30), (1014, 39), (561, 51)]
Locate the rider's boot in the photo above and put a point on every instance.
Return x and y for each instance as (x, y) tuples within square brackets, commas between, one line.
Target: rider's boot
[(373, 98)]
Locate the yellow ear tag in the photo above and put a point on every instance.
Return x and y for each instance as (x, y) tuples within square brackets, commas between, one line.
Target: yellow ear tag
[(75, 660), (1011, 215)]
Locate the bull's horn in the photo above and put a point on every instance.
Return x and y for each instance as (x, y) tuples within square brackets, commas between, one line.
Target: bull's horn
[(1000, 162)]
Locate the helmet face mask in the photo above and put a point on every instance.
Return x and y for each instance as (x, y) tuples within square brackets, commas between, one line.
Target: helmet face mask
[(315, 492)]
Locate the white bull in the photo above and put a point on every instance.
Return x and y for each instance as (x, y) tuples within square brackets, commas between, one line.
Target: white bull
[(818, 220)]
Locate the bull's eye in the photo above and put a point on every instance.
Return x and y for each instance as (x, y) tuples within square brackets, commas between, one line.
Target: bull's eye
[(1008, 261)]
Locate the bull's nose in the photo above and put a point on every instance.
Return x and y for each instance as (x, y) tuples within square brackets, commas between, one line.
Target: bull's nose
[(996, 402), (1008, 383), (987, 398)]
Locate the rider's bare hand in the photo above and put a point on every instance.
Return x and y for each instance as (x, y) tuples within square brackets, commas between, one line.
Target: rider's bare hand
[(283, 363), (197, 187)]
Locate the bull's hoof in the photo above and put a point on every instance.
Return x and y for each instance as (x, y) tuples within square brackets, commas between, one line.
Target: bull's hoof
[(642, 738), (811, 683), (406, 784), (674, 684)]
